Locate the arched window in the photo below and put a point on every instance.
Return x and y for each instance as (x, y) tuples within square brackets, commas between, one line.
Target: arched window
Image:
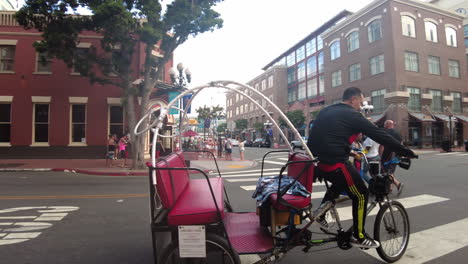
[(408, 25), (374, 30), (431, 31), (353, 41), (335, 50), (451, 35)]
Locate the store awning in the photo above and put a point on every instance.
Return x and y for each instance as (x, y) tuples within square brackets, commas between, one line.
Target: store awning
[(422, 117), (375, 118), (442, 117), (462, 118)]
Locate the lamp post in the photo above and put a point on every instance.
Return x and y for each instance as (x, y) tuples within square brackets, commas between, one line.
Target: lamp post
[(180, 77), (367, 108)]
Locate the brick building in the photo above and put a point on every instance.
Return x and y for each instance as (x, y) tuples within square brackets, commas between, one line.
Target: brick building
[(409, 59), (47, 109)]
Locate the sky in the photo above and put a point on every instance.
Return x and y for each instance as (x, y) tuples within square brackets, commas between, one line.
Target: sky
[(254, 33)]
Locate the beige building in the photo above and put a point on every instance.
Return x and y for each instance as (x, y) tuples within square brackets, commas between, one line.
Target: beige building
[(409, 59)]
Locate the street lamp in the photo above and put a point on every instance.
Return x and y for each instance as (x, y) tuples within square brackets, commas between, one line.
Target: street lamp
[(366, 107), (180, 78)]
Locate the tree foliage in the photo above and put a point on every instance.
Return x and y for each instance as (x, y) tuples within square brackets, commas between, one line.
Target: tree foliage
[(123, 25), (296, 117), (221, 128), (241, 124), (206, 112), (258, 126)]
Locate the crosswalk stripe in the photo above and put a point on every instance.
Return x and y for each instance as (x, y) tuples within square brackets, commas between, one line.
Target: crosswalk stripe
[(273, 162), (252, 174), (448, 238), (236, 172), (252, 187), (244, 180), (283, 158), (448, 153), (409, 202)]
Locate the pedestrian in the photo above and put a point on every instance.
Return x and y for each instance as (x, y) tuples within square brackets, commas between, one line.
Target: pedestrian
[(123, 143), (159, 148), (116, 147), (241, 148), (228, 147), (387, 155), (373, 158), (110, 154)]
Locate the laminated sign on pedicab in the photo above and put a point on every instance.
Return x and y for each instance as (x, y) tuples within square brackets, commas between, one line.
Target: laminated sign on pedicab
[(198, 214)]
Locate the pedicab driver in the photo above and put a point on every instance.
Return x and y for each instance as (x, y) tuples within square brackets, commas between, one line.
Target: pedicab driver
[(335, 128)]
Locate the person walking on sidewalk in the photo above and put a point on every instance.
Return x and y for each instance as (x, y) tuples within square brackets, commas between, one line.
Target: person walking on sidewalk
[(387, 155), (241, 148), (110, 151), (123, 143), (228, 147)]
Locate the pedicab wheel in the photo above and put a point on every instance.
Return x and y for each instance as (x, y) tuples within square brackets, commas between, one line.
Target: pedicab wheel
[(392, 231), (217, 252)]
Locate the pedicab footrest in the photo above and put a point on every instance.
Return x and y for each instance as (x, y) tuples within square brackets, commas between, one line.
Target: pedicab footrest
[(246, 235)]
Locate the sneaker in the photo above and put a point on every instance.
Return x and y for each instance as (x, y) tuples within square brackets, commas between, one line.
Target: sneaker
[(364, 243), (322, 222), (400, 188)]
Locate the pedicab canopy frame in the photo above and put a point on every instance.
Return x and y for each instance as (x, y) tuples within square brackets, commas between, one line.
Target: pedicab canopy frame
[(156, 123)]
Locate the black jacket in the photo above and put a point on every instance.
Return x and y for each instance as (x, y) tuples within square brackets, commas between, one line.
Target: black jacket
[(335, 129)]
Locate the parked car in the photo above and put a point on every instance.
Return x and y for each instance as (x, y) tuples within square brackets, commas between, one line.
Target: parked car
[(261, 143), (248, 143), (234, 142), (298, 144)]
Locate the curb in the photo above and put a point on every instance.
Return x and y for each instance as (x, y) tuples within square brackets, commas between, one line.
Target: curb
[(24, 169), (87, 172)]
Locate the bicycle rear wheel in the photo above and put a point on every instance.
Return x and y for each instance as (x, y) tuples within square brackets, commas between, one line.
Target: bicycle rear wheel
[(217, 251), (392, 230)]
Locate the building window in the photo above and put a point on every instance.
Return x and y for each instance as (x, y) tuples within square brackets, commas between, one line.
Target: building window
[(116, 120), (291, 75), (411, 61), (377, 99), (5, 122), (408, 26), (466, 42), (43, 62), (454, 68), (301, 91), (457, 102), (374, 30), (434, 65), (319, 43), (336, 78), (291, 95), (312, 87), (291, 59), (300, 53), (320, 62), (377, 64), (414, 102), (335, 50), (41, 123), (7, 58), (436, 104), (310, 47), (301, 71), (257, 86), (354, 72), (321, 85), (80, 56), (451, 35), (270, 81), (431, 31), (353, 41), (465, 30), (312, 66), (264, 84), (78, 123)]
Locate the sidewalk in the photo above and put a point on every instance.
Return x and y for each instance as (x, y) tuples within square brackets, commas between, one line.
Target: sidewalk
[(98, 166)]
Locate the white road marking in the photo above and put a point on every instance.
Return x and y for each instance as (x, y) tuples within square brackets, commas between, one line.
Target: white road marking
[(236, 172), (283, 159), (28, 226), (59, 209), (274, 162), (345, 213), (254, 174), (51, 217), (433, 243), (448, 153), (22, 235), (11, 241), (249, 259), (11, 210), (17, 217)]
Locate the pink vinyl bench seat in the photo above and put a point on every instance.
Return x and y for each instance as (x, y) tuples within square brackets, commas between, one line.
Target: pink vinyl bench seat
[(189, 201)]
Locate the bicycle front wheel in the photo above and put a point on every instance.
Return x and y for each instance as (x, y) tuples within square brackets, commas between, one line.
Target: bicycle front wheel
[(392, 230), (217, 251)]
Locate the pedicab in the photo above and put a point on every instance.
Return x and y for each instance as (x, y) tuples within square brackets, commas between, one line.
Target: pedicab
[(192, 220)]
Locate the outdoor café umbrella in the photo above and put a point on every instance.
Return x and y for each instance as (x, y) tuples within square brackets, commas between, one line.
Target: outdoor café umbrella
[(189, 133)]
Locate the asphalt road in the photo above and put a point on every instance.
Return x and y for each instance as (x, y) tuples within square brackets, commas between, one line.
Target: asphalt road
[(90, 219)]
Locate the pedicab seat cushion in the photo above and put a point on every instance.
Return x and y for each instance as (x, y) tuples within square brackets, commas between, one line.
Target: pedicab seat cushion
[(189, 201), (307, 178)]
